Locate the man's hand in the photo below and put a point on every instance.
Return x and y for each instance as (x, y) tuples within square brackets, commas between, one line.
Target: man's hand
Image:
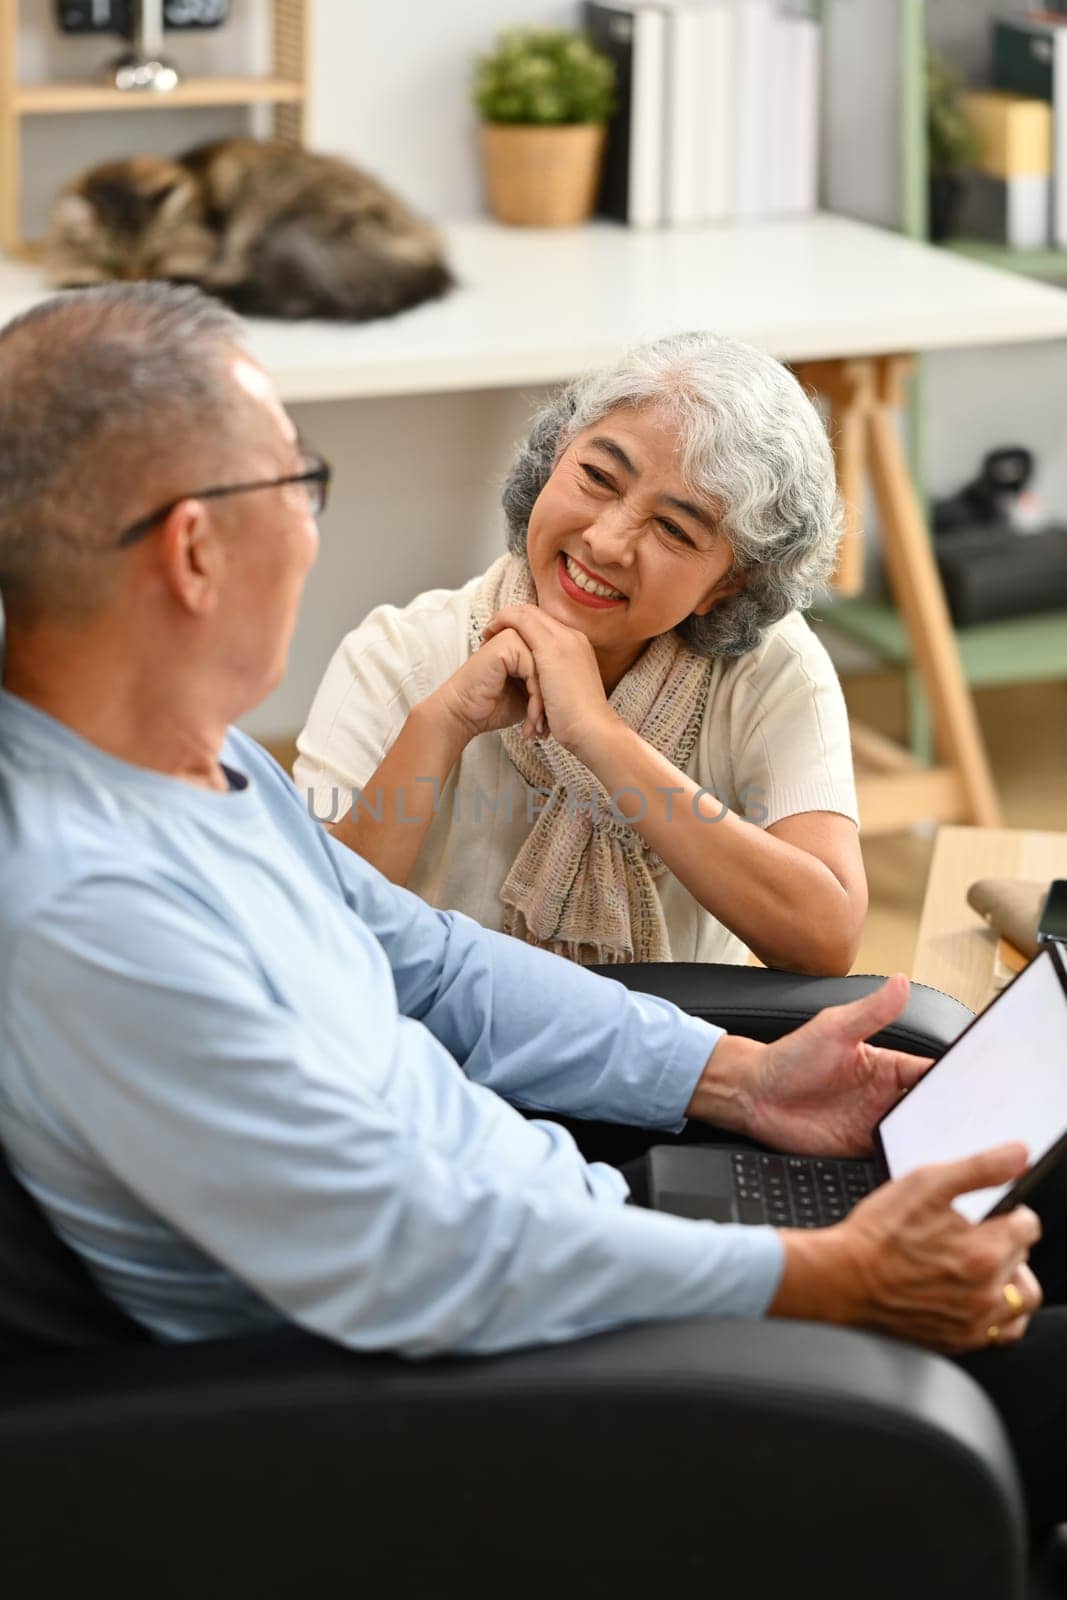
[(820, 1089), (905, 1262)]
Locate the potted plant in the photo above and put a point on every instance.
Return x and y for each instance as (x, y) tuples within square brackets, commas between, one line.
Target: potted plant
[(952, 145), (545, 97)]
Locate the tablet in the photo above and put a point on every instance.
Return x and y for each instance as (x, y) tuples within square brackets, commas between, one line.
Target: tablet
[(1004, 1078)]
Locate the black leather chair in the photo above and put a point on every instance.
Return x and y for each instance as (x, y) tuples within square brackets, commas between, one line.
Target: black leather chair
[(748, 1458)]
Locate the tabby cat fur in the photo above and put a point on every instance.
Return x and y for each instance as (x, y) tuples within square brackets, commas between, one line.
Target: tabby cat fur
[(274, 230)]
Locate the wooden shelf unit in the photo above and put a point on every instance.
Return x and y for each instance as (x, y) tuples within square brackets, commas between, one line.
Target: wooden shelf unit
[(40, 99), (285, 89)]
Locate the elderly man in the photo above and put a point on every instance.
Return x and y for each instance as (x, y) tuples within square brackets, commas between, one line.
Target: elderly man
[(248, 1079)]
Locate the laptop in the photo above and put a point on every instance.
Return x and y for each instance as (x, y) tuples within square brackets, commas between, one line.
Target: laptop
[(1004, 1078)]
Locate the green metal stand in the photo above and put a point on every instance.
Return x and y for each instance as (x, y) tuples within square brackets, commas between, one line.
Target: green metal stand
[(1031, 649)]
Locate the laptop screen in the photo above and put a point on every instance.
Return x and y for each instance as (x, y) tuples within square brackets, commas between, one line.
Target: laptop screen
[(1004, 1078)]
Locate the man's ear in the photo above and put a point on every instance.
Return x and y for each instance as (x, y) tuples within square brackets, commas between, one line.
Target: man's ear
[(732, 583), (192, 558)]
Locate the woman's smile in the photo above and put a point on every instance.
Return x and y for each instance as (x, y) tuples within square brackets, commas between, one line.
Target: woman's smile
[(618, 494), (584, 587)]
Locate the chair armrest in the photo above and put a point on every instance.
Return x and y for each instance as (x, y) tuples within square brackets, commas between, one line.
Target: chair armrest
[(754, 1454), (760, 1003)]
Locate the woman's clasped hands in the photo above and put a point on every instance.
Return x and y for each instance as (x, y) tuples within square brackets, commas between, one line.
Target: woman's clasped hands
[(530, 669), (572, 690)]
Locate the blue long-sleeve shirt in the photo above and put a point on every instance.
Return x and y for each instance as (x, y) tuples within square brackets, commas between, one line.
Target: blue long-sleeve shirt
[(249, 1079)]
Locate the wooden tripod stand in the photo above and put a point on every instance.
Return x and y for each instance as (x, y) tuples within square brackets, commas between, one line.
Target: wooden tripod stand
[(865, 396)]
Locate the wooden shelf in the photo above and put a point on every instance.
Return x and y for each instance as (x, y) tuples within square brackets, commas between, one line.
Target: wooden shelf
[(283, 88), (1051, 264), (49, 98)]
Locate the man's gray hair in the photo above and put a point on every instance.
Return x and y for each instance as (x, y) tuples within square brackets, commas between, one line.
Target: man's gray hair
[(104, 394), (750, 441)]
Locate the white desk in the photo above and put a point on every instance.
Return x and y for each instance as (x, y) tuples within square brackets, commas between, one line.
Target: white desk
[(534, 306), (839, 300)]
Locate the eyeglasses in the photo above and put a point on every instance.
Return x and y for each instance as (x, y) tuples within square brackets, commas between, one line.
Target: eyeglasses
[(315, 477)]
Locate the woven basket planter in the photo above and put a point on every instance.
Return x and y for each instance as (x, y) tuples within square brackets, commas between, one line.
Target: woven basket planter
[(542, 177)]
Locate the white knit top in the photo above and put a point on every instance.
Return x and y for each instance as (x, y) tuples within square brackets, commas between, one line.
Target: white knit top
[(774, 742)]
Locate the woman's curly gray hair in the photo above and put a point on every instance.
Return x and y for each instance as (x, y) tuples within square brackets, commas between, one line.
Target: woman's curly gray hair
[(750, 441)]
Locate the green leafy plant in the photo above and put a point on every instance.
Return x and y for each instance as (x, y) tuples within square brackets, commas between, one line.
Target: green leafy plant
[(951, 141), (542, 76)]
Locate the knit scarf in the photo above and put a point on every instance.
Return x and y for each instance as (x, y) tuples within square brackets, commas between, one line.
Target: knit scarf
[(583, 883)]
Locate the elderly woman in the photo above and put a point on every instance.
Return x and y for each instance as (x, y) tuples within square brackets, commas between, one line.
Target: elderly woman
[(622, 742)]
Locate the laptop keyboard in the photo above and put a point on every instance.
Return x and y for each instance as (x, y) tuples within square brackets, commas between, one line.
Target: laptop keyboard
[(798, 1191)]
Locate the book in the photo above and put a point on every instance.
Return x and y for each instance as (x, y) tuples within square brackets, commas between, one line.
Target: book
[(752, 156), (718, 107), (1012, 211), (802, 45), (779, 97), (685, 100), (647, 119), (699, 109), (1030, 58), (634, 37), (1008, 196), (1014, 133)]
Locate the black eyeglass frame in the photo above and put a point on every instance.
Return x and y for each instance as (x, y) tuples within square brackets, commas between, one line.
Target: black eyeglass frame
[(320, 473)]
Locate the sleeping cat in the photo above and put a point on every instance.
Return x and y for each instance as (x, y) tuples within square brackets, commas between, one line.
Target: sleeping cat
[(272, 229)]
